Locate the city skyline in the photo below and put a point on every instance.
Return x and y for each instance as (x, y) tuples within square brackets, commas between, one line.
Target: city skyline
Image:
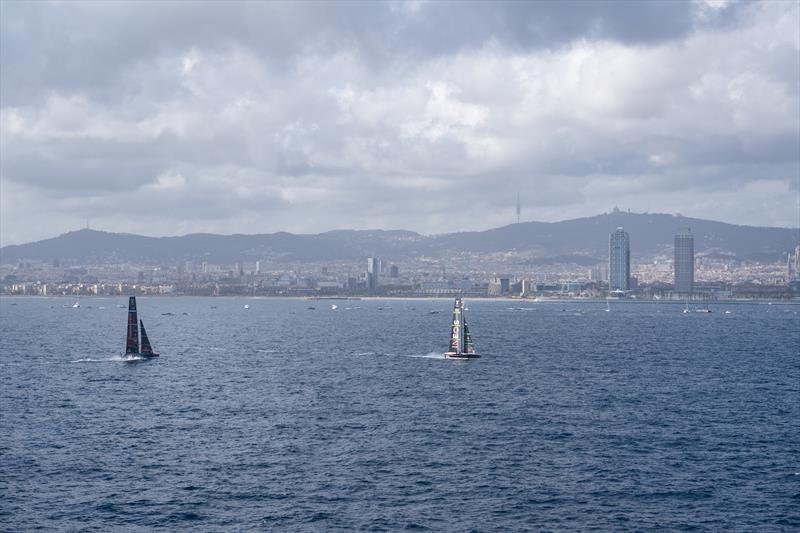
[(179, 117), (204, 268)]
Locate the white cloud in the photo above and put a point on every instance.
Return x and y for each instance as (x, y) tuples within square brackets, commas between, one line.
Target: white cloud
[(225, 134)]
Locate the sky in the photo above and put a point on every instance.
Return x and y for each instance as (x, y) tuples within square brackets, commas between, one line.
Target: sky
[(167, 118)]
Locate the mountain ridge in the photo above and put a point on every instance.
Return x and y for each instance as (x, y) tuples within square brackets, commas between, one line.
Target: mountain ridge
[(651, 233)]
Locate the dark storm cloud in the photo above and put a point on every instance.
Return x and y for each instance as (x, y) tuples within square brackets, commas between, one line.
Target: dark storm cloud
[(83, 46), (262, 116)]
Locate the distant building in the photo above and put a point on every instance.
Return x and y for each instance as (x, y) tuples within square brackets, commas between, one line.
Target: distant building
[(499, 286), (619, 260), (573, 287), (599, 272), (527, 288), (394, 272), (797, 259), (684, 262), (797, 262), (373, 271)]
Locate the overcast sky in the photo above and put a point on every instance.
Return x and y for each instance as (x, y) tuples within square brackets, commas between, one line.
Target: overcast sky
[(167, 118)]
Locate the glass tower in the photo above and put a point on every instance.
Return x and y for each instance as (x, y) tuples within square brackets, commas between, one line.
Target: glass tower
[(619, 260), (684, 262), (373, 270)]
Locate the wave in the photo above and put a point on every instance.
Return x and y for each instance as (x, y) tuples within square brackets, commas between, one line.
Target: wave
[(429, 355), (115, 358)]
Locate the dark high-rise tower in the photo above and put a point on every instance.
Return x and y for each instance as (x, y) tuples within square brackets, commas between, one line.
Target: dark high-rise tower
[(684, 262), (619, 260), (373, 270)]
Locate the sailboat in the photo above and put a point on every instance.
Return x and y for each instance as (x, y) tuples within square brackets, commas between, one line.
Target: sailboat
[(461, 345), (703, 309), (686, 309), (77, 304), (132, 346), (608, 307)]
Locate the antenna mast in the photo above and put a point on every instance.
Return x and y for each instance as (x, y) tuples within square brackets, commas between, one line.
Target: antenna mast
[(519, 209)]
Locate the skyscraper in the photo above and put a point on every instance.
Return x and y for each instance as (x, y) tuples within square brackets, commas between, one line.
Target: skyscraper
[(797, 262), (373, 269), (684, 262), (619, 260)]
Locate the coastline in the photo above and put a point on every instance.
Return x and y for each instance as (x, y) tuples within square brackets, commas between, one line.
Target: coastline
[(539, 300)]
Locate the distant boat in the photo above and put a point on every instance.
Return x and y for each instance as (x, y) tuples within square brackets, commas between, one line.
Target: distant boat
[(76, 304), (703, 309), (608, 307), (461, 345), (686, 309), (247, 306), (334, 307), (728, 312), (132, 346)]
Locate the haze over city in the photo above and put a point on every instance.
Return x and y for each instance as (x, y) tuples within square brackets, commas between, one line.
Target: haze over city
[(167, 118)]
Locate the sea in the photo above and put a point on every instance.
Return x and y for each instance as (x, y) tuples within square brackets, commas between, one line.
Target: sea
[(290, 415)]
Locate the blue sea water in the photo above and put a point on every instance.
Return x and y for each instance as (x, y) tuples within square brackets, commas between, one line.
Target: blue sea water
[(281, 417)]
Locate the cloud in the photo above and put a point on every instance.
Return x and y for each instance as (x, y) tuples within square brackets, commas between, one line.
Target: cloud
[(253, 117)]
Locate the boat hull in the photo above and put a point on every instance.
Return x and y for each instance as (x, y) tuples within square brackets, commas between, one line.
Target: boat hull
[(456, 355), (139, 356)]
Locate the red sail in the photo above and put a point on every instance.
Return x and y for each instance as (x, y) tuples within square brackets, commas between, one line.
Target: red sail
[(132, 341)]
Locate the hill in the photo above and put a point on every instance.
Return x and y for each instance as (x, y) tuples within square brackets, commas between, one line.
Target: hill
[(583, 239)]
